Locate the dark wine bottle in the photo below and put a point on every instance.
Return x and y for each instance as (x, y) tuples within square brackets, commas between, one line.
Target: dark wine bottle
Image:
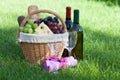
[(78, 49), (68, 20), (69, 25)]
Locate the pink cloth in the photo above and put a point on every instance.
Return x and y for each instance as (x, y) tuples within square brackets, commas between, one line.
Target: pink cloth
[(69, 62), (53, 63)]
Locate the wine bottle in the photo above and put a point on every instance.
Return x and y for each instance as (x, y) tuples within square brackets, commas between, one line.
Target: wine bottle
[(78, 49), (68, 20), (69, 25)]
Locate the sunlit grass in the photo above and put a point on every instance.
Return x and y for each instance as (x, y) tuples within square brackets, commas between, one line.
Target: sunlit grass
[(101, 41)]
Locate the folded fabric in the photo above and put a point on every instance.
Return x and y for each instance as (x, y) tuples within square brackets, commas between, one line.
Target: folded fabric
[(53, 63), (53, 58), (52, 66), (68, 62)]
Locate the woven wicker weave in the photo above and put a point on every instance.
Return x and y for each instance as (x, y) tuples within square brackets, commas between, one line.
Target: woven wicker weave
[(37, 52)]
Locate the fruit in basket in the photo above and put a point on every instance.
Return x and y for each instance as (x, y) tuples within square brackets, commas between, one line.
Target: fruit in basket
[(30, 30), (52, 23), (29, 27), (47, 20), (46, 26), (38, 21), (25, 30), (30, 21), (43, 29), (56, 19), (50, 19), (34, 26), (55, 28)]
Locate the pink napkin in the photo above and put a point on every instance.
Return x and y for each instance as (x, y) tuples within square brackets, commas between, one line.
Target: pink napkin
[(69, 62), (53, 63)]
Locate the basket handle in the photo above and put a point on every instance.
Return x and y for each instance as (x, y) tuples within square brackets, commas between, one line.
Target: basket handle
[(44, 11)]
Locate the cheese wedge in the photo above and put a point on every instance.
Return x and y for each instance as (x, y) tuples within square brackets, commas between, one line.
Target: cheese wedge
[(43, 29)]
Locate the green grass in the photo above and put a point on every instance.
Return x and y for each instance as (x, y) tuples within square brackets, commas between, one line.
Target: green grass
[(101, 41), (111, 2)]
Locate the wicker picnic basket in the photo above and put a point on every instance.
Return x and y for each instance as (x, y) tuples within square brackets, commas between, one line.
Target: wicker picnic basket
[(36, 47)]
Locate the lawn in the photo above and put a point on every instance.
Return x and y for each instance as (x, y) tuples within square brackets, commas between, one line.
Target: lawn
[(101, 25)]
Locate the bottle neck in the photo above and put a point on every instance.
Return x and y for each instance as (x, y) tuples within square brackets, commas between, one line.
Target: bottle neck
[(76, 22), (68, 18), (76, 16), (68, 13)]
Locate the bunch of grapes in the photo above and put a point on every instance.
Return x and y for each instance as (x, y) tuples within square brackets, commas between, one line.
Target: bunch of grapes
[(29, 27), (55, 28), (47, 20), (52, 23)]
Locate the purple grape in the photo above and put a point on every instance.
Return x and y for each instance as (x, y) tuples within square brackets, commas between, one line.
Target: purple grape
[(53, 21), (57, 32), (56, 19), (49, 18), (63, 31), (46, 21), (50, 24), (41, 20), (53, 24), (55, 27), (36, 22), (60, 27)]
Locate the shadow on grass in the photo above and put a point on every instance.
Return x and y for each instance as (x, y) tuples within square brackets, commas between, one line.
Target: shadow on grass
[(8, 46), (98, 47)]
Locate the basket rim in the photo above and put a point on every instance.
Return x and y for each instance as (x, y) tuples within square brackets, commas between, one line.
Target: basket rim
[(43, 38)]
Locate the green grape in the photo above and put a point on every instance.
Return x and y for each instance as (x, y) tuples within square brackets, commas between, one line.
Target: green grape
[(28, 26), (25, 30), (30, 30), (35, 33), (30, 21), (34, 26)]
